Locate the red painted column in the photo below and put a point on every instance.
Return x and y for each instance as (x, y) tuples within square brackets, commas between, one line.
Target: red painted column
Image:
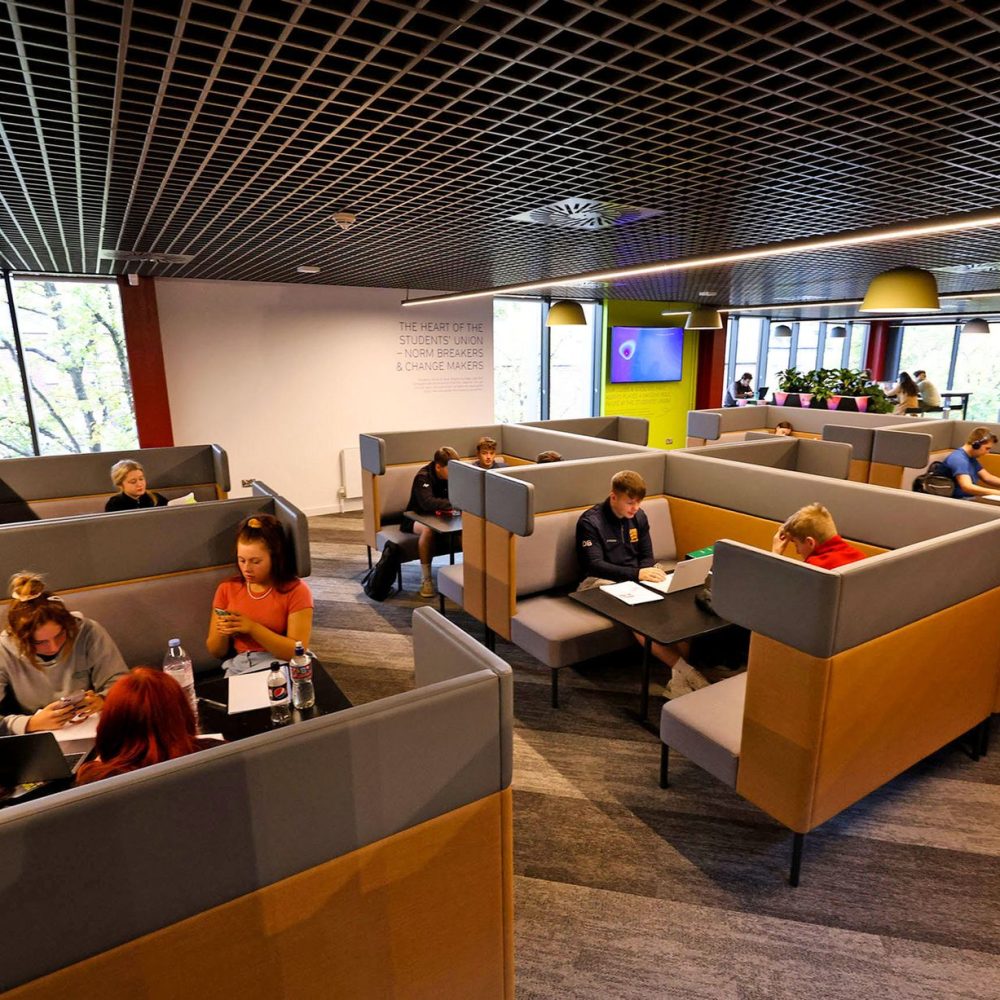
[(878, 342), (711, 366), (145, 363)]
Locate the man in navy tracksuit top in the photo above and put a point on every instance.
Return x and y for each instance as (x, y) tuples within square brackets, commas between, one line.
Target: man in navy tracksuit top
[(613, 545)]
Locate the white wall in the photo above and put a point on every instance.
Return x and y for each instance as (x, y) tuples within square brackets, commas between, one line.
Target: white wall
[(285, 376)]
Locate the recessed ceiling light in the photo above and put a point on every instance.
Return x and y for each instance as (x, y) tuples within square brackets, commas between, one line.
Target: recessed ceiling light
[(706, 295), (308, 269)]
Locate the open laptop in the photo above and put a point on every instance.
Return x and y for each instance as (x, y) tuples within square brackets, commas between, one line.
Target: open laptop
[(687, 574), (39, 757), (762, 391)]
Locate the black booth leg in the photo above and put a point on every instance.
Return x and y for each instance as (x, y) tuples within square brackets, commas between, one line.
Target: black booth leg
[(664, 765), (793, 877), (441, 603), (399, 577), (555, 687), (489, 639), (369, 556), (983, 741)]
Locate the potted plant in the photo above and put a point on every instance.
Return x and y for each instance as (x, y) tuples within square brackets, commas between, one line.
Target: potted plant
[(877, 400), (850, 386), (821, 386), (792, 383)]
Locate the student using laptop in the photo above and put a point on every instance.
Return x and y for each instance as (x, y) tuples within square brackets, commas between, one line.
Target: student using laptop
[(613, 545), (147, 719), (57, 664), (811, 531)]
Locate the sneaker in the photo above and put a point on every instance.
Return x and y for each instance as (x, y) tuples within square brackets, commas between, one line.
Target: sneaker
[(721, 673), (694, 679), (677, 687), (427, 589)]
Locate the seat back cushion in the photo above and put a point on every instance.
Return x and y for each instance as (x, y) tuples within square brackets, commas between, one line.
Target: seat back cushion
[(394, 490)]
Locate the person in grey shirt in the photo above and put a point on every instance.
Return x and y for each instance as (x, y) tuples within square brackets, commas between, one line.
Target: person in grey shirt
[(48, 653), (929, 395)]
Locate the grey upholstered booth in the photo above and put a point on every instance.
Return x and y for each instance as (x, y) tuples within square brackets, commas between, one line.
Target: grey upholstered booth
[(630, 430), (354, 853), (842, 689), (904, 459), (65, 485), (814, 458), (147, 575)]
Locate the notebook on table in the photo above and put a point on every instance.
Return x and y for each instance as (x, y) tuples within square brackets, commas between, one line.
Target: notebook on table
[(687, 574)]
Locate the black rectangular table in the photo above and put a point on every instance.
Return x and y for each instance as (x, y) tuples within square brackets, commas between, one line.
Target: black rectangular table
[(448, 525), (215, 718), (675, 618)]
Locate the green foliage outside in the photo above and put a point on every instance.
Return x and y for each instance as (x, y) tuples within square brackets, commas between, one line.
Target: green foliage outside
[(77, 366)]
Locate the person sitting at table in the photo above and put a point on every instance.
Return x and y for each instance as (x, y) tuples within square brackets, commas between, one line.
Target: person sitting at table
[(613, 545), (146, 719), (130, 481), (260, 613), (429, 495), (741, 389), (812, 533), (486, 455), (544, 457), (47, 653), (971, 479), (930, 396), (907, 394), (783, 428)]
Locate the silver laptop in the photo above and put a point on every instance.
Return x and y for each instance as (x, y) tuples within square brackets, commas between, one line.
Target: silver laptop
[(687, 574)]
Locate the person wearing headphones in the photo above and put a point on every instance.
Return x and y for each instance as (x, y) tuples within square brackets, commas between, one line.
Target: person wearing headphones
[(971, 479)]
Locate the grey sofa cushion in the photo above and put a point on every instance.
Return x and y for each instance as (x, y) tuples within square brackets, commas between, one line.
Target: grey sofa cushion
[(407, 541), (707, 727), (558, 631), (449, 582)]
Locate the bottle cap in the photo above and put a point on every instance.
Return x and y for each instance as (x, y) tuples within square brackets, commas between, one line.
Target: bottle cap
[(174, 642)]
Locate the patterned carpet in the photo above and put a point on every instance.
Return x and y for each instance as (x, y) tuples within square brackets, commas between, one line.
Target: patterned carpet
[(624, 890)]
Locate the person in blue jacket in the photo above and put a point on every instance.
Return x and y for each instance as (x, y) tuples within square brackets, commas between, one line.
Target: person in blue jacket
[(971, 479)]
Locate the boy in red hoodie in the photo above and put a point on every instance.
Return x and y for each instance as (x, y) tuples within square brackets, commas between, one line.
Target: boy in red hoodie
[(814, 535)]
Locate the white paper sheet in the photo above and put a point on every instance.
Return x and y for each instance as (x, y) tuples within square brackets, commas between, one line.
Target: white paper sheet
[(249, 691), (181, 501), (630, 592), (86, 730)]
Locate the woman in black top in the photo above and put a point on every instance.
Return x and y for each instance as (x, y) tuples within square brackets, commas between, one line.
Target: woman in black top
[(129, 477)]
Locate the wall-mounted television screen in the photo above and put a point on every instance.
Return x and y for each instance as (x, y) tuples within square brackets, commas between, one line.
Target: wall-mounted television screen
[(646, 353)]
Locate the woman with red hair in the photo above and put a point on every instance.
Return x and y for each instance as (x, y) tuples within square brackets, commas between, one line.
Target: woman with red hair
[(146, 719)]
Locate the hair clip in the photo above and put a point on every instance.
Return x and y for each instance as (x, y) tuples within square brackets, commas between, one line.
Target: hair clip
[(254, 522)]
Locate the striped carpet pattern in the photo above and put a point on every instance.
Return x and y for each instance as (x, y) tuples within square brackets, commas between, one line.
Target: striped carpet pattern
[(625, 890)]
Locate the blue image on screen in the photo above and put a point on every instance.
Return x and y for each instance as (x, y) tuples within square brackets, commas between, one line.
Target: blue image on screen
[(646, 353)]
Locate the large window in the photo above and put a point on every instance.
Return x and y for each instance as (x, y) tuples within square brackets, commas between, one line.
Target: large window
[(524, 351), (73, 355), (928, 348)]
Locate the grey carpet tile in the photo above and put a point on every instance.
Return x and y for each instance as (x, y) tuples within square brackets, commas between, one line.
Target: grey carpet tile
[(850, 882), (601, 943)]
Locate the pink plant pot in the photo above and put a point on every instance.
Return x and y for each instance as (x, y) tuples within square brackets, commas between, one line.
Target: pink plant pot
[(833, 402), (780, 397), (862, 402), (805, 399)]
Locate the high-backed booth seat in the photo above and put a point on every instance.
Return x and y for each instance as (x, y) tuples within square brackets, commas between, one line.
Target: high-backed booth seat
[(630, 430), (530, 558), (389, 461), (732, 423), (465, 584), (65, 485), (844, 688), (362, 854), (147, 576), (815, 458), (905, 450)]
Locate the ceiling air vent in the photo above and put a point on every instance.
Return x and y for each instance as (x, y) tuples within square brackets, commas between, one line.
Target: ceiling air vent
[(147, 256), (585, 213)]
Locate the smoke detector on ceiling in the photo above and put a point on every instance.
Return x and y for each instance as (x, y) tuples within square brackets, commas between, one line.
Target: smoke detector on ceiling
[(147, 256), (345, 219)]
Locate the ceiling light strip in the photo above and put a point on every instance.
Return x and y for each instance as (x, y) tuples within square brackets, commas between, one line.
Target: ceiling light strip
[(828, 303), (950, 224)]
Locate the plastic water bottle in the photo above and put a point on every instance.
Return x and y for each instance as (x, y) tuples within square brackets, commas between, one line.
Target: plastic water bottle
[(301, 668), (277, 694), (177, 664)]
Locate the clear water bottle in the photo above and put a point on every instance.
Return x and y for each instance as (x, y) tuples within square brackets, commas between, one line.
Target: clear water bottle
[(301, 668), (177, 664), (277, 694)]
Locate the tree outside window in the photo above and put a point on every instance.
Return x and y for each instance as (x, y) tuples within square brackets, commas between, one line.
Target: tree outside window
[(75, 357)]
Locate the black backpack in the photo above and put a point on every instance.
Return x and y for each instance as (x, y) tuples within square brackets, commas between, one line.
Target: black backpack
[(378, 581), (937, 481)]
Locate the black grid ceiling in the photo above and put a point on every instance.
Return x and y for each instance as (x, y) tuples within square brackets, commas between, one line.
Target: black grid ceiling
[(233, 131)]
